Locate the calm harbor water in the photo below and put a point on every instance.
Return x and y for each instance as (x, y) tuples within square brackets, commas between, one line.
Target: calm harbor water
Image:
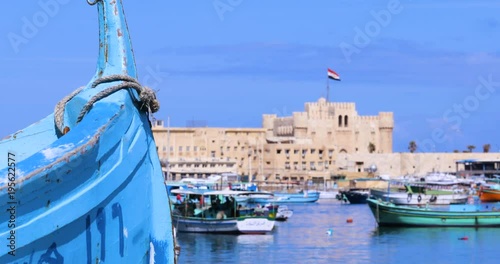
[(304, 239)]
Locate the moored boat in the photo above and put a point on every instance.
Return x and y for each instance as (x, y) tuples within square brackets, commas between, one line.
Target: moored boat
[(328, 194), (298, 197), (489, 195), (354, 195), (85, 183), (264, 198), (220, 215), (466, 215), (424, 196), (283, 213)]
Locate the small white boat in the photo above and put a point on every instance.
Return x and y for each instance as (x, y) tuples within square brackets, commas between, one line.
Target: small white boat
[(328, 194), (283, 213)]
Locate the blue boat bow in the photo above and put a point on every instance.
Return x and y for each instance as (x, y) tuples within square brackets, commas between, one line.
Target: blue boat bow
[(85, 183)]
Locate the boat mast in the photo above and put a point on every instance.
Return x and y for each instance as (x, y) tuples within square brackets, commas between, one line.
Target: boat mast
[(168, 149), (250, 163)]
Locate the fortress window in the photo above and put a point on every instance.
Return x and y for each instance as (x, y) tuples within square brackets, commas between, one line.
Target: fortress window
[(346, 121), (340, 121)]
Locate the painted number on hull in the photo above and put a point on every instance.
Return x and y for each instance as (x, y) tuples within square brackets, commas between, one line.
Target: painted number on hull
[(101, 227), (51, 256)]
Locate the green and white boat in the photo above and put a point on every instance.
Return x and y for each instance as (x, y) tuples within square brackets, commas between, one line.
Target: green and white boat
[(464, 215), (421, 195)]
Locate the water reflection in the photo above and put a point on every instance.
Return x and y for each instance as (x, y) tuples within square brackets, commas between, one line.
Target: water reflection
[(453, 244), (427, 231), (211, 248), (255, 239)]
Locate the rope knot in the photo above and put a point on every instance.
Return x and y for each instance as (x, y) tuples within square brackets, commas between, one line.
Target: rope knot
[(147, 98)]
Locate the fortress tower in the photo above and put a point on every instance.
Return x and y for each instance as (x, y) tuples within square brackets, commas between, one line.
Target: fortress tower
[(386, 125)]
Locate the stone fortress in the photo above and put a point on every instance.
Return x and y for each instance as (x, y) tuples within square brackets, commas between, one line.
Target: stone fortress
[(326, 140)]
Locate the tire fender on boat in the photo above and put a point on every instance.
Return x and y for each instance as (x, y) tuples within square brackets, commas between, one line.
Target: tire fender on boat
[(409, 197), (419, 198)]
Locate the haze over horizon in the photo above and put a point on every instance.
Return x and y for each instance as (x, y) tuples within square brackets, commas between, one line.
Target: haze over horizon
[(435, 65)]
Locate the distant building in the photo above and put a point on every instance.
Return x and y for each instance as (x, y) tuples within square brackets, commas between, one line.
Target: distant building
[(334, 127), (299, 147), (326, 140)]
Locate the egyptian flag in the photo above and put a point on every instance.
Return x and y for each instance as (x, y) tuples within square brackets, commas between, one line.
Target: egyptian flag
[(333, 75)]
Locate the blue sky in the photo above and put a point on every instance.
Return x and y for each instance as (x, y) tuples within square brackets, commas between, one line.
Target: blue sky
[(226, 62)]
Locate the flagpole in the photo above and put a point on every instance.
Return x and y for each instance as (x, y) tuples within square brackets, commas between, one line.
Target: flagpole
[(327, 89)]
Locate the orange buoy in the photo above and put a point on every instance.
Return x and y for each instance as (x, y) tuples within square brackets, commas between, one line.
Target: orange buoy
[(349, 220)]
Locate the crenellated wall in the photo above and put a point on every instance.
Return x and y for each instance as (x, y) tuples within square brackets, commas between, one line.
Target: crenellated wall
[(335, 124), (283, 127)]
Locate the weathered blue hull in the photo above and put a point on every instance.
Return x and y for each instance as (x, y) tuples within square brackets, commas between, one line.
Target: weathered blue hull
[(104, 199), (95, 194), (283, 200), (307, 197)]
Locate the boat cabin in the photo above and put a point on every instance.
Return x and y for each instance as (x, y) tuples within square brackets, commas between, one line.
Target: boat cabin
[(471, 167)]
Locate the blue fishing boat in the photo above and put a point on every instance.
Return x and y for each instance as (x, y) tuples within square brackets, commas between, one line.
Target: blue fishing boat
[(298, 197), (264, 198), (84, 185)]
